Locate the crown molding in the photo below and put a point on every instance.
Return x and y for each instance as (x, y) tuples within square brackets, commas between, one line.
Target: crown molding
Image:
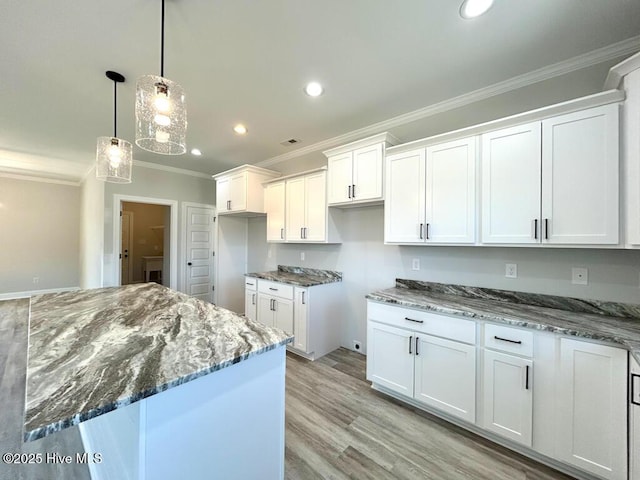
[(166, 168), (619, 71), (247, 167), (585, 60), (33, 178)]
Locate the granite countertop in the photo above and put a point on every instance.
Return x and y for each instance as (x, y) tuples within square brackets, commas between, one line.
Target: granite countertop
[(93, 351), (298, 276), (606, 321)]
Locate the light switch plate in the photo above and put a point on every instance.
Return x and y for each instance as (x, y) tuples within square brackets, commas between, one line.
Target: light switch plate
[(579, 276)]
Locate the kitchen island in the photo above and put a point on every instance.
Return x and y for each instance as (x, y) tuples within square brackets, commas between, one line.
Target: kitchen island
[(162, 385)]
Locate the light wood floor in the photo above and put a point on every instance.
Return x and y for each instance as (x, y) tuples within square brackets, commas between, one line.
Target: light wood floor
[(337, 427)]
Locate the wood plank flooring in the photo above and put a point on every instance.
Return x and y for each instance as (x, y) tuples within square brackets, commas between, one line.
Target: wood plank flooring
[(337, 427)]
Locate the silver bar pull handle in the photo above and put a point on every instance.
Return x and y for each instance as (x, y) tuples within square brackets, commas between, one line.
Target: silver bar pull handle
[(303, 302), (519, 342), (417, 340), (410, 342), (253, 299), (301, 232), (427, 230), (526, 382), (421, 229), (546, 229), (349, 189), (282, 234), (412, 320), (353, 191), (274, 289), (535, 228)]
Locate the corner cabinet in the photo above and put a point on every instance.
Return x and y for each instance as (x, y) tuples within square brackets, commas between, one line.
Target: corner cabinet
[(563, 172), (356, 171), (239, 191), (431, 194), (311, 314), (297, 210)]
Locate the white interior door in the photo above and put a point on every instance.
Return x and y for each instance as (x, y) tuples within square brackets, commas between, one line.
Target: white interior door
[(126, 229), (199, 248)]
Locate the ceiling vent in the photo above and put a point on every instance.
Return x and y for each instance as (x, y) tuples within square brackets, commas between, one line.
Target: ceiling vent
[(291, 141)]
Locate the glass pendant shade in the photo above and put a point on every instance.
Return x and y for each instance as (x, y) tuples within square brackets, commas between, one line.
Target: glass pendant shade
[(114, 160), (161, 116)]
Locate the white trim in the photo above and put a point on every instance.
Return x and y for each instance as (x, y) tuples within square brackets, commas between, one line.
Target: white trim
[(617, 72), (166, 168), (183, 250), (31, 293), (173, 249), (31, 178), (247, 167), (294, 175), (365, 142), (88, 172), (570, 106), (561, 68)]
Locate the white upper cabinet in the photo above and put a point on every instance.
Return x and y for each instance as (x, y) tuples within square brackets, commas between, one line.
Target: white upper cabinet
[(240, 191), (554, 181), (274, 205), (511, 170), (431, 195), (580, 163), (356, 171), (307, 218)]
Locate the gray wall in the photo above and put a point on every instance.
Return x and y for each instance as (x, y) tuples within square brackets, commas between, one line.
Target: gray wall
[(153, 183), (367, 264), (39, 235)]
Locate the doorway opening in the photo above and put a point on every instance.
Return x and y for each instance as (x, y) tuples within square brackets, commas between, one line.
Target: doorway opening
[(157, 237), (145, 243)]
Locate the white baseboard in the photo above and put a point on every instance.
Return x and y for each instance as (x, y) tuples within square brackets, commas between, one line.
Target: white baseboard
[(31, 293)]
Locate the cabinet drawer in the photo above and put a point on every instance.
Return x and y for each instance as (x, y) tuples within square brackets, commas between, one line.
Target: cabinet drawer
[(250, 283), (422, 321), (276, 289), (508, 339)]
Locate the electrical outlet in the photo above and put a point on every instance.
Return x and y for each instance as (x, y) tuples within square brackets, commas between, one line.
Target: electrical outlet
[(415, 264), (356, 345), (302, 256), (579, 276), (511, 270), (36, 279)]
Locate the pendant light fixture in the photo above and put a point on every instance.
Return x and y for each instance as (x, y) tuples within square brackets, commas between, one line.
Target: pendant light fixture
[(161, 111), (114, 155)]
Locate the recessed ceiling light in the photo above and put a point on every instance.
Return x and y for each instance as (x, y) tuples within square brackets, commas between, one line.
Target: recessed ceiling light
[(313, 89), (240, 129), (196, 152), (474, 8)]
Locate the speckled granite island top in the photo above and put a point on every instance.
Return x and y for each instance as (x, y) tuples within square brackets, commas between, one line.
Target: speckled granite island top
[(606, 321), (93, 351), (298, 276)]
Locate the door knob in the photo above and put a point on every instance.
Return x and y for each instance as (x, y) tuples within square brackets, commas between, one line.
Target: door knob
[(189, 264)]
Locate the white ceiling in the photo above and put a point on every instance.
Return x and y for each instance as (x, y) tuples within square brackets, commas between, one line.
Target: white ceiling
[(248, 60)]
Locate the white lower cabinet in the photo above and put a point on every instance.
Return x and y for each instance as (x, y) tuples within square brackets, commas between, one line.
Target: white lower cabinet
[(451, 389), (435, 371), (592, 408), (251, 298), (573, 411), (275, 312), (508, 399)]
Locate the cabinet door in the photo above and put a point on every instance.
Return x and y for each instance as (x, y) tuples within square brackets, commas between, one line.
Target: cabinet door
[(250, 304), (222, 194), (274, 204), (283, 314), (404, 206), (367, 173), (390, 357), (300, 320), (580, 166), (295, 198), (238, 192), (339, 178), (511, 185), (508, 399), (446, 376), (592, 408), (450, 189), (264, 310), (316, 207)]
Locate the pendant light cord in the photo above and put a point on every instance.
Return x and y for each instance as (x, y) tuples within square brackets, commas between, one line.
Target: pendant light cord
[(162, 43), (115, 109)]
